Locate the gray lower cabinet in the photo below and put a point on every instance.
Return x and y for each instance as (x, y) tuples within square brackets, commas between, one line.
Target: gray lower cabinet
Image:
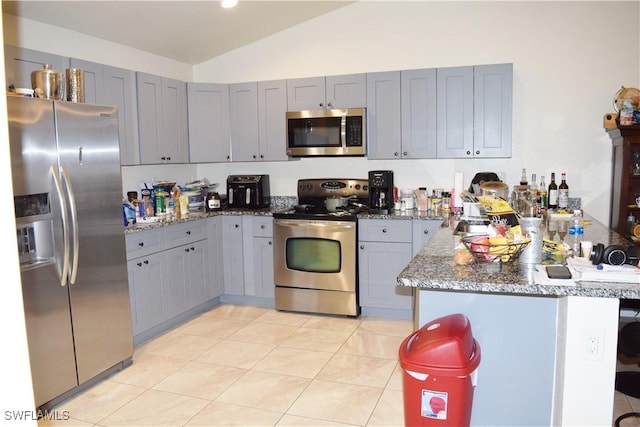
[(162, 119), (385, 248), (168, 274), (423, 230), (232, 255), (262, 257), (214, 241), (209, 132), (114, 86)]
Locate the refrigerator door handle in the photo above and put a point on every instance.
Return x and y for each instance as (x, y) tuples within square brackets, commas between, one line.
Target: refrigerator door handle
[(65, 225), (74, 224)]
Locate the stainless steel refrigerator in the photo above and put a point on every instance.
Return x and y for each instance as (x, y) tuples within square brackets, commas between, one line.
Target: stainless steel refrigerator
[(68, 202)]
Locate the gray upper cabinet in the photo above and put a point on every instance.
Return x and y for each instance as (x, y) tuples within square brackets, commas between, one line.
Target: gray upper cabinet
[(418, 111), (114, 86), (384, 136), (20, 62), (209, 133), (162, 119), (474, 111), (243, 112), (272, 126), (492, 110), (318, 93)]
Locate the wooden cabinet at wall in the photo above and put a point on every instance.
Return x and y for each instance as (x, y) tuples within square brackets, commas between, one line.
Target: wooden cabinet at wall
[(20, 62), (209, 134), (162, 119), (319, 93), (474, 111), (626, 176), (114, 86)]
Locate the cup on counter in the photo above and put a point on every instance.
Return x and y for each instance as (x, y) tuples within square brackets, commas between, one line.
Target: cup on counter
[(585, 248)]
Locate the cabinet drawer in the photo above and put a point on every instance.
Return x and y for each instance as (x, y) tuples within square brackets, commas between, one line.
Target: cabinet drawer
[(186, 232), (374, 230), (263, 227), (144, 243)]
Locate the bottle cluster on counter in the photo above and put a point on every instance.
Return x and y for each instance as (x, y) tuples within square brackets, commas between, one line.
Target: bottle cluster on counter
[(554, 197), (437, 203)]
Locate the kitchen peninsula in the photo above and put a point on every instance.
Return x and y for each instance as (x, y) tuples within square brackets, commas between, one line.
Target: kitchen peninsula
[(548, 350)]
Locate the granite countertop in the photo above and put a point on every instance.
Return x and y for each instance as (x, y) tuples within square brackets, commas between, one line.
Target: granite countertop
[(433, 268)]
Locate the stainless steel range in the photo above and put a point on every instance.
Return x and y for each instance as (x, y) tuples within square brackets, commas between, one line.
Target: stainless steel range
[(315, 256)]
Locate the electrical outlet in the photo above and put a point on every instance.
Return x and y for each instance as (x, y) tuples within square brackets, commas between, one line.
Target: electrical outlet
[(593, 344)]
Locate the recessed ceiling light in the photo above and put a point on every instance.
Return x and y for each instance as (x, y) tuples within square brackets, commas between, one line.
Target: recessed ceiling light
[(229, 3)]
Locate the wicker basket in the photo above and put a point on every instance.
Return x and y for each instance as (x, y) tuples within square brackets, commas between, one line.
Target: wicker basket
[(487, 252)]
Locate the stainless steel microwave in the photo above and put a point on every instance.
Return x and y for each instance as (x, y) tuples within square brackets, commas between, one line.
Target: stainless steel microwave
[(338, 132)]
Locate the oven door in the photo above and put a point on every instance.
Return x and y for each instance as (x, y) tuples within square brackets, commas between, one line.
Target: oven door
[(315, 254)]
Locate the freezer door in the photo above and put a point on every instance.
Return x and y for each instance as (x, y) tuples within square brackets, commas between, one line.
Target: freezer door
[(99, 291)]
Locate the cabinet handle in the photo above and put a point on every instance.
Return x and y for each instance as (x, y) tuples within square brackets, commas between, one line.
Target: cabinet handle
[(426, 231), (192, 248), (141, 244), (228, 157), (270, 243), (146, 262), (261, 156), (478, 152), (236, 225), (395, 154), (468, 153), (321, 104), (384, 230), (163, 158), (255, 157), (189, 232), (263, 226), (139, 264), (361, 246), (186, 250), (404, 153), (330, 105)]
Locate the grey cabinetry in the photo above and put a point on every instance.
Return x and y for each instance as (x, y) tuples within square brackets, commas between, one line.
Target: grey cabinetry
[(243, 111), (423, 230), (262, 257), (418, 111), (20, 62), (114, 86), (272, 131), (318, 93), (162, 119), (385, 248), (384, 135), (214, 241), (232, 250), (209, 133), (475, 111)]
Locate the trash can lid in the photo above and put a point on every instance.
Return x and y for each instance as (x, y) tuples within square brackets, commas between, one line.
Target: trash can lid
[(444, 345)]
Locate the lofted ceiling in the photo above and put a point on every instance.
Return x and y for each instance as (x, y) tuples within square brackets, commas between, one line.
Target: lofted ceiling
[(186, 31)]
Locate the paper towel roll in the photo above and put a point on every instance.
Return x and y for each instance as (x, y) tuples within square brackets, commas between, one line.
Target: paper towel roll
[(458, 187)]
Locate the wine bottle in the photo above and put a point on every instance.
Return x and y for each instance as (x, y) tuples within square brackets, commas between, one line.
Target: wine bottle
[(563, 193), (552, 193)]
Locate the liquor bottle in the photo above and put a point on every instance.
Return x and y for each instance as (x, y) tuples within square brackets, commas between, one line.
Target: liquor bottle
[(542, 197), (523, 178), (563, 193), (552, 193)]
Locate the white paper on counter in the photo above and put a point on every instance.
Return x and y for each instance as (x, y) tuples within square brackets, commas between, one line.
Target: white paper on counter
[(541, 278), (584, 270)]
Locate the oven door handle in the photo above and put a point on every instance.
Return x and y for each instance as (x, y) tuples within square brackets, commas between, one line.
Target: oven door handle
[(325, 225)]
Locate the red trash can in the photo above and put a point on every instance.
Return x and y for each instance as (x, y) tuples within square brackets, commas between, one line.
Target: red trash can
[(439, 364)]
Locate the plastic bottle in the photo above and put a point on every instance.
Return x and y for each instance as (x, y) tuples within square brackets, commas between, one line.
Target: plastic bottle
[(576, 232)]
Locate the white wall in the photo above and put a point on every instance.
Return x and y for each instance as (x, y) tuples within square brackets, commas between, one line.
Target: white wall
[(570, 58), (569, 61)]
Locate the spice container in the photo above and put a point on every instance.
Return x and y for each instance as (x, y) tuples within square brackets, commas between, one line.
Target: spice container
[(213, 202)]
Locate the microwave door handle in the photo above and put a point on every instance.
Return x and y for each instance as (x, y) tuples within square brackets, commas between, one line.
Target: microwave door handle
[(74, 225), (230, 196), (247, 196), (65, 225), (343, 131)]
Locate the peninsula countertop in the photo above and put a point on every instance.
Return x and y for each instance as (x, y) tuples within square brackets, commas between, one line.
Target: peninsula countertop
[(433, 268)]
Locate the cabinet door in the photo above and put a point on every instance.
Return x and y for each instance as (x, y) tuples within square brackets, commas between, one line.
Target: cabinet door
[(209, 139), (418, 113), (198, 290), (120, 90), (148, 303), (272, 126), (263, 267), (423, 230), (232, 255), (176, 290), (243, 112), (20, 62), (455, 112), (492, 114), (93, 79), (383, 115), (379, 265), (149, 91), (215, 279), (346, 91), (174, 136), (306, 94)]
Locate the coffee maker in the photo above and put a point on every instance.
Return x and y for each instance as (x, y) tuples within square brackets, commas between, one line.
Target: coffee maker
[(380, 192)]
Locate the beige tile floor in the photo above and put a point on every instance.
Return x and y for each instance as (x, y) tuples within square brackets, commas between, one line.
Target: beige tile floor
[(250, 366)]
